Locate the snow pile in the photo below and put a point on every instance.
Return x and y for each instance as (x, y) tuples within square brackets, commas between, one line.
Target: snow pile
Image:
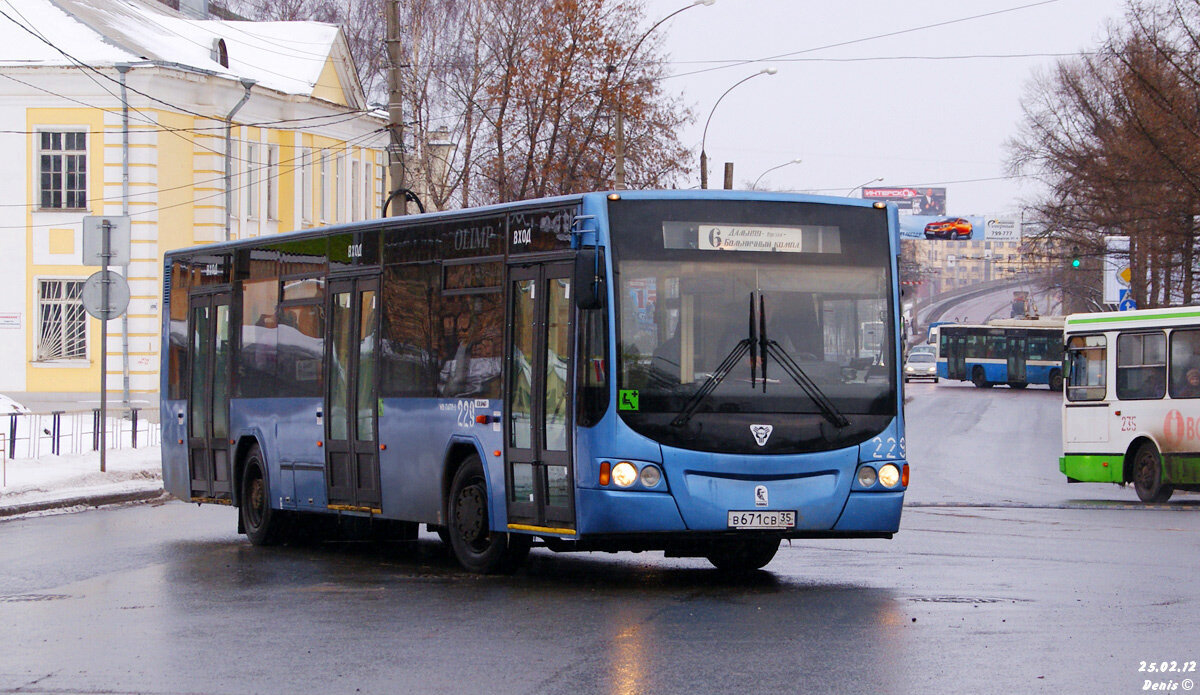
[(60, 478)]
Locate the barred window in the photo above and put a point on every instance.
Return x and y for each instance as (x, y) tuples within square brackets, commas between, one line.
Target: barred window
[(63, 170), (62, 330)]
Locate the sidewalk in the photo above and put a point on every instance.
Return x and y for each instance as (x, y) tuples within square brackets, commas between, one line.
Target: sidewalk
[(53, 483)]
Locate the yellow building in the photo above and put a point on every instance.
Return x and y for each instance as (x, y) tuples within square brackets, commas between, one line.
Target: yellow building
[(303, 150)]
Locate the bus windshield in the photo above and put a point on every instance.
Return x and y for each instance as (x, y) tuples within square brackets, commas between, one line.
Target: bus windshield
[(696, 278)]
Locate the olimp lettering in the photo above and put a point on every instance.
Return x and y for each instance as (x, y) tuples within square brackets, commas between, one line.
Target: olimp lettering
[(471, 238)]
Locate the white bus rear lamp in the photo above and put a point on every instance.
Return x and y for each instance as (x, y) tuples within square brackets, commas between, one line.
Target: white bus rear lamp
[(889, 475), (624, 474), (650, 476), (866, 476)]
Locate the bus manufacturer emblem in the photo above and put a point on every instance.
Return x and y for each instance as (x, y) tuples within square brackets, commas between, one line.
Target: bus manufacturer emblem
[(761, 433), (760, 495)]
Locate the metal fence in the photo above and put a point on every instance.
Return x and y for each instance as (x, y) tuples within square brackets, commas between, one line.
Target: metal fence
[(63, 432)]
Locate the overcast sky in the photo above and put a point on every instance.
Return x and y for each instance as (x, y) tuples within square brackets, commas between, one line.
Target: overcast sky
[(909, 121)]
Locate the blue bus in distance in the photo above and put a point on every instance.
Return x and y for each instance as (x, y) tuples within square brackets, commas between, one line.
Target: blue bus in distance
[(638, 370), (1012, 352)]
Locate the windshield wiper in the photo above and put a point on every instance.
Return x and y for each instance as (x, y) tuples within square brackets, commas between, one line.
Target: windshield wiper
[(824, 404), (718, 375), (714, 380)]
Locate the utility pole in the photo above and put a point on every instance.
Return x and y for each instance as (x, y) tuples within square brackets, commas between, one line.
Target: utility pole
[(396, 172)]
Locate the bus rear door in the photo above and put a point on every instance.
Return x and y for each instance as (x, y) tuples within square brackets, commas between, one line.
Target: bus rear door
[(537, 398), (351, 400), (208, 395)]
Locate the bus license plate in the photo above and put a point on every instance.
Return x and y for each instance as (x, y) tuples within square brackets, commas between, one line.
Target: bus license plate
[(760, 519)]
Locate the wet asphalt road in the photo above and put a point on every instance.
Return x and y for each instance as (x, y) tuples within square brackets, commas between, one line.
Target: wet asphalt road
[(1003, 579)]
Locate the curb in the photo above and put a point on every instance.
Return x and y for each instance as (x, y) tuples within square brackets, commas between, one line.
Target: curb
[(84, 501)]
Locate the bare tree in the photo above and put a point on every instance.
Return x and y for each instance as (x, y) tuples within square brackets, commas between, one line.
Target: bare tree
[(522, 88), (1115, 138)]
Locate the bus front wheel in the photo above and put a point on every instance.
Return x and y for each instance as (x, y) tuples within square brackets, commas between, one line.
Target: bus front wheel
[(743, 555), (1147, 475), (980, 379), (1056, 381), (262, 524), (476, 547)]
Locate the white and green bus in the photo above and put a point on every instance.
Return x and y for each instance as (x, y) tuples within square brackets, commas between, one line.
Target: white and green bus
[(1131, 408)]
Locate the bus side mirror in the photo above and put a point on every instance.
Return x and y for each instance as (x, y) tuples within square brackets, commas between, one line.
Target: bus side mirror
[(589, 279)]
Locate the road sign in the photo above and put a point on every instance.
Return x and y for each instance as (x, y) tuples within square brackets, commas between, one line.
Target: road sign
[(94, 227), (1125, 301), (101, 304)]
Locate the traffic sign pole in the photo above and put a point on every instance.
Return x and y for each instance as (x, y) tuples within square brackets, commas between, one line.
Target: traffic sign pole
[(105, 293)]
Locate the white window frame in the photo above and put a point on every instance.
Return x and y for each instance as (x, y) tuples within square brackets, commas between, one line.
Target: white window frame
[(252, 179), (273, 182), (306, 184), (72, 320), (62, 154), (324, 187), (355, 191), (338, 188)]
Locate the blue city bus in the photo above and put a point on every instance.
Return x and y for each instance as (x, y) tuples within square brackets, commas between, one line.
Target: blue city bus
[(678, 371), (1014, 352)]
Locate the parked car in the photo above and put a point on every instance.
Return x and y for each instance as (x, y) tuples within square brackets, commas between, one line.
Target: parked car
[(949, 228), (920, 365)]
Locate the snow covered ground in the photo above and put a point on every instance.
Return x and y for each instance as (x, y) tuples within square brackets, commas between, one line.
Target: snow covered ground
[(63, 482)]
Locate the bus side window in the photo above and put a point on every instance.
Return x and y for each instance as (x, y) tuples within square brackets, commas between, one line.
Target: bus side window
[(1141, 365), (1185, 364), (1087, 358)]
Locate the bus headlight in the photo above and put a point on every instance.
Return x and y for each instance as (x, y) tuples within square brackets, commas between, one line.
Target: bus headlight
[(889, 475), (650, 476), (866, 476), (624, 474)]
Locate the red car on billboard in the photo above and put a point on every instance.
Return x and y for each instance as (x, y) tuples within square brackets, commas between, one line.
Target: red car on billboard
[(948, 228)]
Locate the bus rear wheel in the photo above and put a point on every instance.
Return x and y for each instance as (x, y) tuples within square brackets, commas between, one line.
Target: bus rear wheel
[(476, 547), (262, 524), (980, 379), (1056, 381), (743, 555), (1147, 475)]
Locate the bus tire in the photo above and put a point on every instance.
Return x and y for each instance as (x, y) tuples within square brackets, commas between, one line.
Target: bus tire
[(980, 379), (1147, 475), (476, 547), (744, 555), (1056, 381), (262, 524)]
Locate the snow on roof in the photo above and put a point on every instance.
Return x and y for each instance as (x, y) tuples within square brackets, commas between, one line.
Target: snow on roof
[(285, 56)]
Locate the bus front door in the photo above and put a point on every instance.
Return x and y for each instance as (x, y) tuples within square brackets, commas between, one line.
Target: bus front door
[(537, 397), (351, 399), (1018, 347), (208, 397)]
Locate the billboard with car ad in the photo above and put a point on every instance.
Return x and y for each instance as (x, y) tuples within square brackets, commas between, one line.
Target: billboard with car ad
[(923, 216)]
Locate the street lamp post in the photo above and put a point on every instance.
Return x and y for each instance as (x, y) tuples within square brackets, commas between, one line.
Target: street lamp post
[(754, 185), (704, 137), (619, 167), (852, 190)]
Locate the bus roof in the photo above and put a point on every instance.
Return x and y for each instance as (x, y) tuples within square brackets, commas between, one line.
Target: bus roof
[(1138, 318), (596, 197)]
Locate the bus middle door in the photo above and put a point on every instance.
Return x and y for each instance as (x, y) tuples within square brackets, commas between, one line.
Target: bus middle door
[(351, 397), (1018, 348), (956, 357), (209, 352), (537, 398)]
